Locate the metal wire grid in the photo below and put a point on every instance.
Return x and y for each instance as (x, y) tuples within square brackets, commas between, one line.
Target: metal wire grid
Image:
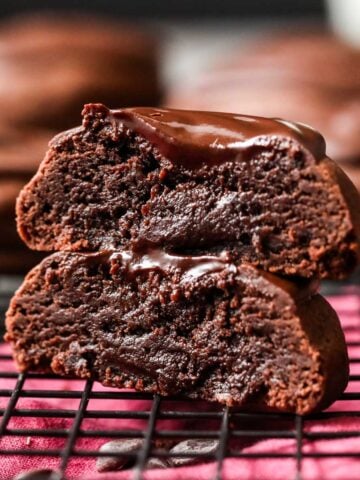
[(231, 424)]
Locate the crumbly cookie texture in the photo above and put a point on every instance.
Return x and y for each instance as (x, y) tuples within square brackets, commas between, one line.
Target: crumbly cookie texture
[(180, 325)]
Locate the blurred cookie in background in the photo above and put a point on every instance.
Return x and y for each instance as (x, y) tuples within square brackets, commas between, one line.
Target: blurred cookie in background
[(50, 65), (21, 151), (307, 76)]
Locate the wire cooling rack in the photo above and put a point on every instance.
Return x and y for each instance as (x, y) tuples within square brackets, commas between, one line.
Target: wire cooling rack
[(159, 420)]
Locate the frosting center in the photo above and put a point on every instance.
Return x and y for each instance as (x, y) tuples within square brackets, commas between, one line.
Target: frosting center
[(196, 138)]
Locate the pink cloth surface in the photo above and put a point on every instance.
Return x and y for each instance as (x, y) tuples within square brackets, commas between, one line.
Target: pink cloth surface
[(336, 468)]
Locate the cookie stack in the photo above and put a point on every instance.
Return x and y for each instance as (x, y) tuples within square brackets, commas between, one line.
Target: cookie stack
[(46, 74), (189, 248)]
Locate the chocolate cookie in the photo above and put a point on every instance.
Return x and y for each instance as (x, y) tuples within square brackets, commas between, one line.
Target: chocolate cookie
[(47, 72), (261, 189), (180, 325)]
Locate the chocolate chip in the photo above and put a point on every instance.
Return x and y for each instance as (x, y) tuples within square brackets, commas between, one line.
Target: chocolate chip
[(108, 464), (43, 474), (155, 462), (193, 446)]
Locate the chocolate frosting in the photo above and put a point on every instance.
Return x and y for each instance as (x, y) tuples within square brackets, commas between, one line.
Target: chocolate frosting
[(192, 268), (192, 138)]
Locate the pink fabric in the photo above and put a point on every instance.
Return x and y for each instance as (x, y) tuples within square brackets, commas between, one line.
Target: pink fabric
[(348, 307)]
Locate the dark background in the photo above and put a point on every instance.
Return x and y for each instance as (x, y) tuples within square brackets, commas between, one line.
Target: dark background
[(181, 9)]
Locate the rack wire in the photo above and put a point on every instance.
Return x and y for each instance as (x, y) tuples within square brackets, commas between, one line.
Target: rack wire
[(161, 421)]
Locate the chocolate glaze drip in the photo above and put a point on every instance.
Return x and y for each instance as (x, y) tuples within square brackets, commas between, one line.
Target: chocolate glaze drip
[(189, 267), (192, 268), (193, 138)]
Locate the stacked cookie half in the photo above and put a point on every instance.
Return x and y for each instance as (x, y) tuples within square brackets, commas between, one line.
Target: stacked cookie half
[(189, 249)]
